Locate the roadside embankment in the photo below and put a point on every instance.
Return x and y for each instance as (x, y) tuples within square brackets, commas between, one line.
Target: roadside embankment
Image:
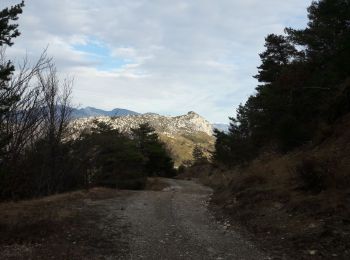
[(297, 204)]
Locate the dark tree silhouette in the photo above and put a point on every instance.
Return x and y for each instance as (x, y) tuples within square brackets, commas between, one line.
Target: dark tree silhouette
[(8, 31), (304, 83), (158, 161)]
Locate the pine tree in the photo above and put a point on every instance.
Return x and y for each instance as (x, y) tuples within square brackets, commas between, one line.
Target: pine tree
[(158, 161), (279, 53), (303, 84), (8, 31)]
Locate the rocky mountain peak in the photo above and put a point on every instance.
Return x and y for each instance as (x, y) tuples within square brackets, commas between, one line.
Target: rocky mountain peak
[(188, 124), (180, 133)]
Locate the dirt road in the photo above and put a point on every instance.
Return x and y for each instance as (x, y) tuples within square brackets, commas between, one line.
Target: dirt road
[(176, 224)]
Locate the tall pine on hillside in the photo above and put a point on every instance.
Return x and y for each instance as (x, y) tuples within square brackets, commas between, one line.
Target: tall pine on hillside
[(8, 31), (304, 85)]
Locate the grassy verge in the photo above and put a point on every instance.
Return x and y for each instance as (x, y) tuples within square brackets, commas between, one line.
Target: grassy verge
[(62, 226), (297, 205)]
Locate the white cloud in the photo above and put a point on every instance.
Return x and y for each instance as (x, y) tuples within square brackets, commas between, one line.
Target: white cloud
[(180, 55)]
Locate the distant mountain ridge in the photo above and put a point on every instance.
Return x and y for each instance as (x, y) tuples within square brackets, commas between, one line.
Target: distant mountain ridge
[(95, 112), (180, 133), (184, 124)]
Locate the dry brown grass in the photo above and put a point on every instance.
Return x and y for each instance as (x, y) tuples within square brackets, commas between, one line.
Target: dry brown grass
[(282, 208), (50, 227), (55, 208), (181, 146)]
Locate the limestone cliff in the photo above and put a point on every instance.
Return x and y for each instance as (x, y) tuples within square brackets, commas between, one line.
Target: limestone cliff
[(180, 133)]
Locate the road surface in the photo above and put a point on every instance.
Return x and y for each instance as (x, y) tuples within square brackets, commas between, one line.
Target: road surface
[(176, 224)]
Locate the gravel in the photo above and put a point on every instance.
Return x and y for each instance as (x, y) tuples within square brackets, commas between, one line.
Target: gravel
[(176, 224)]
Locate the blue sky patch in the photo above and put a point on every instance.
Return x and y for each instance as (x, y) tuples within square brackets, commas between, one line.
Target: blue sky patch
[(101, 54)]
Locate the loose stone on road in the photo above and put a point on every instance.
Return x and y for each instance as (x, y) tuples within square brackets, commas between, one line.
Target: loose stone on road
[(176, 224)]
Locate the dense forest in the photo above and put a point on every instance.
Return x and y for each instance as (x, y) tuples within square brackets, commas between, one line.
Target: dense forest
[(38, 154), (304, 87)]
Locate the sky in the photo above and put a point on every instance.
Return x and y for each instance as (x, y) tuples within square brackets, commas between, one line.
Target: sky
[(161, 56)]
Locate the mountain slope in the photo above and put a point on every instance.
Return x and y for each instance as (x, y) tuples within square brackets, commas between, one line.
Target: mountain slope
[(180, 133), (94, 112)]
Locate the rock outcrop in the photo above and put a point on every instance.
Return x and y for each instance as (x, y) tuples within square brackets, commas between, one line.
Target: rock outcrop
[(180, 133), (185, 124)]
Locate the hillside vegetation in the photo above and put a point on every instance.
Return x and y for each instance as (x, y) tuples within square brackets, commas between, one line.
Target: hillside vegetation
[(180, 133), (296, 204), (40, 155), (304, 86), (181, 146), (283, 169)]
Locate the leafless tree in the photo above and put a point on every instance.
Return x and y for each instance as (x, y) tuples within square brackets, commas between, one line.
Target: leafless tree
[(57, 104), (36, 121), (42, 108), (22, 120), (56, 116)]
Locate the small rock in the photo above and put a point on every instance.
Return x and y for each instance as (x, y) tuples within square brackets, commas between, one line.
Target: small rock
[(312, 225), (312, 252)]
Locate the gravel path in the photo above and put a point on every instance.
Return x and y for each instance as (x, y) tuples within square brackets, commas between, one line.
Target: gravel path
[(176, 224), (105, 224)]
